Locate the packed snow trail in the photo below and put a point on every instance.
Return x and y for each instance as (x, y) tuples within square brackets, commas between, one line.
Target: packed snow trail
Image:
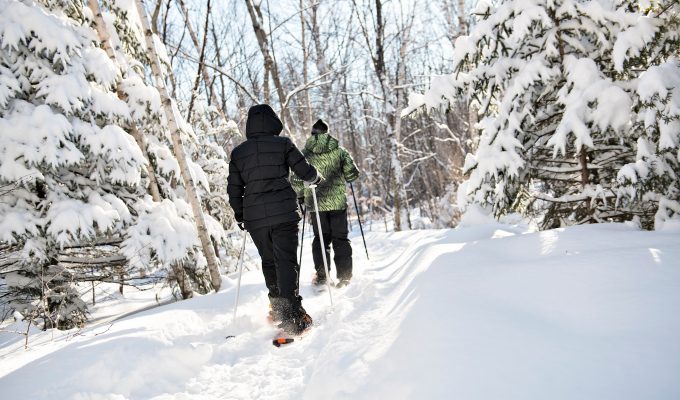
[(481, 312)]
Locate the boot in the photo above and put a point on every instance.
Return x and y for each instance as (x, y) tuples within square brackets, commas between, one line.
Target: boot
[(296, 320), (342, 283), (319, 279), (276, 309)]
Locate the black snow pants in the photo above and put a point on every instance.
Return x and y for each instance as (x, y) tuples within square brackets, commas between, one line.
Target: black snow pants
[(334, 229), (277, 245)]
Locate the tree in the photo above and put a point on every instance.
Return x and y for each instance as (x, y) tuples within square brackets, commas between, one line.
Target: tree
[(391, 96), (178, 255), (178, 147), (75, 170), (650, 186), (554, 83), (103, 35), (326, 70)]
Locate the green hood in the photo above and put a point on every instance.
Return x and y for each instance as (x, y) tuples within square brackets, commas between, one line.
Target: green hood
[(321, 143)]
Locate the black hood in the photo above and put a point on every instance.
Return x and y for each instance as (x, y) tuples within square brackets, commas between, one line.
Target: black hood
[(262, 121), (319, 127)]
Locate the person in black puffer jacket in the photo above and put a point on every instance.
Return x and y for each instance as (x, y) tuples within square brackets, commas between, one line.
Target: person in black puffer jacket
[(265, 205)]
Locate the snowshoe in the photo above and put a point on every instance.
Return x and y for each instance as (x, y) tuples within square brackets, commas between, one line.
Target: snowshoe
[(283, 338), (296, 326)]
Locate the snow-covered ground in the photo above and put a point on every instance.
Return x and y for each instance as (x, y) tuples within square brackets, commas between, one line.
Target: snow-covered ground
[(482, 312)]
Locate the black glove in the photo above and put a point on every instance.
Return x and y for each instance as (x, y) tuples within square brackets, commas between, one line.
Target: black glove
[(317, 180), (241, 226)]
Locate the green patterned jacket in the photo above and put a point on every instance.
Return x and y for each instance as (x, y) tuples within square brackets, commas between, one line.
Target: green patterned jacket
[(336, 166)]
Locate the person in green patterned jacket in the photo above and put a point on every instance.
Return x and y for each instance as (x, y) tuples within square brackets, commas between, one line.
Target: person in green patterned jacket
[(335, 164)]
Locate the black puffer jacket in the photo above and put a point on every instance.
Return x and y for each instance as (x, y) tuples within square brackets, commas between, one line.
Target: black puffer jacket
[(258, 186)]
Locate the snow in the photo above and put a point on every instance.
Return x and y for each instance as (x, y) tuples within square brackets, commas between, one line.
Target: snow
[(15, 224), (164, 232), (34, 135), (629, 42), (486, 311), (48, 32), (98, 64), (114, 145), (9, 86), (666, 218), (108, 103), (657, 80), (142, 96), (441, 88), (67, 91), (587, 85), (71, 219)]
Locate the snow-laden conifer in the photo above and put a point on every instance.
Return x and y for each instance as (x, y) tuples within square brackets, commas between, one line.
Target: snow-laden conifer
[(573, 95), (73, 173), (74, 170)]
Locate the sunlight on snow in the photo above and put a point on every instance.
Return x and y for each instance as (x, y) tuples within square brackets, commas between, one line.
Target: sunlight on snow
[(656, 255), (548, 241)]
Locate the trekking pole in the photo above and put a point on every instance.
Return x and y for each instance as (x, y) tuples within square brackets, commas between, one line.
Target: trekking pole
[(359, 219), (323, 248), (302, 240), (240, 272)]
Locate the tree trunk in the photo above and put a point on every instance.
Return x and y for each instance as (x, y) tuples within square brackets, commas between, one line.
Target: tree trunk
[(401, 79), (180, 154), (585, 179), (200, 49), (100, 26), (155, 15), (352, 130), (321, 64), (182, 280), (307, 120), (462, 25), (393, 120)]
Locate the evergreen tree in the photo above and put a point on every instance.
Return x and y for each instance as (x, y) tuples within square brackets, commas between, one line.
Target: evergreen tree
[(558, 86), (650, 185), (67, 114), (76, 171)]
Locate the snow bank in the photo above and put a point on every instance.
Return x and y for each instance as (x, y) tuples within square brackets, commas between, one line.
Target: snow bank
[(488, 311)]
